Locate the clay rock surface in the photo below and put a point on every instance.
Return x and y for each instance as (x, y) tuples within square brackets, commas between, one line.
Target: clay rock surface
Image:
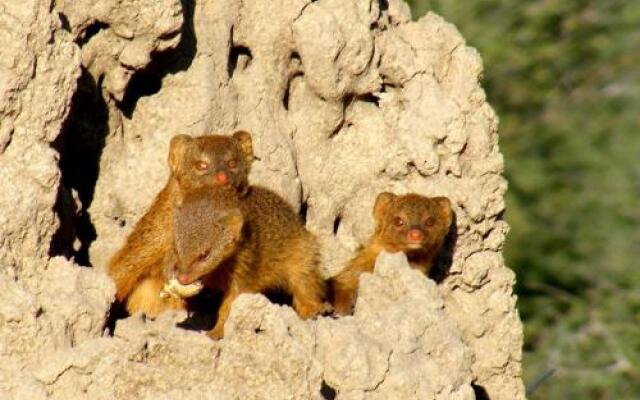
[(344, 99), (398, 344)]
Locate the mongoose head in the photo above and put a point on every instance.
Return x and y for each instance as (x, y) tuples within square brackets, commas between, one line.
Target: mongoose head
[(207, 228), (411, 222), (211, 160)]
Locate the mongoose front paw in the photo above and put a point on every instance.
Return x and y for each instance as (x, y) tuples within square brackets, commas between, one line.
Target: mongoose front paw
[(341, 309), (309, 309), (216, 333)]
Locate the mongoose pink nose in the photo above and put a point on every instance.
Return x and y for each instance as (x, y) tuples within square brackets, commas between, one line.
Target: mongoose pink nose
[(415, 235), (221, 177), (183, 279)]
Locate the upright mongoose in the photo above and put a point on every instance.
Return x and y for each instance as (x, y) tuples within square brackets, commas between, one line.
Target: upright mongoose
[(256, 245), (213, 160), (414, 224)]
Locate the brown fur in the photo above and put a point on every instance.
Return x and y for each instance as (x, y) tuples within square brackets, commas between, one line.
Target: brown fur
[(137, 267), (257, 245), (396, 218)]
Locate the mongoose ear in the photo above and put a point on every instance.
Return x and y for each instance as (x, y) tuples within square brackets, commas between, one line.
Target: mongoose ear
[(382, 203), (444, 209), (177, 148), (245, 145), (234, 220)]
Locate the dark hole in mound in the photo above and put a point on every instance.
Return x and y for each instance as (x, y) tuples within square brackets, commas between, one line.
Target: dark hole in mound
[(80, 147), (444, 260), (297, 62), (287, 93), (336, 224), (90, 32), (64, 22), (239, 58), (370, 98), (304, 208), (143, 83), (327, 391), (480, 392), (116, 312), (203, 311)]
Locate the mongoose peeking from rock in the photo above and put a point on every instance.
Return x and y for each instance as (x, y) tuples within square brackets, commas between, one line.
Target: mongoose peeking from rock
[(212, 160), (250, 247), (414, 224)]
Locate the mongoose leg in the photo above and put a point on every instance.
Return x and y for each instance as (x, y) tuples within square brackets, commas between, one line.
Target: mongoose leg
[(308, 290), (223, 313)]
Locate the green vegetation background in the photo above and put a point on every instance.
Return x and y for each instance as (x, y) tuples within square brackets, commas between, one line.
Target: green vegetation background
[(564, 77)]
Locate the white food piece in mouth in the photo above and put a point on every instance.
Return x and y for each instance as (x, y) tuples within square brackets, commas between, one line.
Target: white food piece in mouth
[(175, 289)]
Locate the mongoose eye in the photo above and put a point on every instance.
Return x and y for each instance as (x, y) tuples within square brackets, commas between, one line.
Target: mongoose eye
[(203, 256), (429, 221), (202, 165), (397, 221), (232, 163)]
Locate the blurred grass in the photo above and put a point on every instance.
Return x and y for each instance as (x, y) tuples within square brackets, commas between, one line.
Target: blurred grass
[(564, 77)]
